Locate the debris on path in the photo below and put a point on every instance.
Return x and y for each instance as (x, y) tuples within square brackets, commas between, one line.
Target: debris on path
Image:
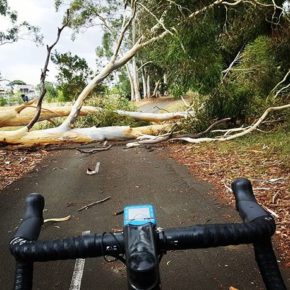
[(119, 212), (94, 203), (95, 171), (94, 150), (57, 219), (16, 163)]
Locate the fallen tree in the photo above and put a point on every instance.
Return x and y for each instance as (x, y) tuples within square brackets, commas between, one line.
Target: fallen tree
[(20, 115), (25, 138), (64, 133), (226, 137)]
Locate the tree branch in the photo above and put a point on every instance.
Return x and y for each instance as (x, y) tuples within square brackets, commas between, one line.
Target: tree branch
[(159, 21), (43, 75), (236, 59), (281, 82), (244, 132), (124, 29)]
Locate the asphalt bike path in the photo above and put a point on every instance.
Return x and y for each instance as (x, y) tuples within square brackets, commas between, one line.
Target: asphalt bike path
[(132, 176)]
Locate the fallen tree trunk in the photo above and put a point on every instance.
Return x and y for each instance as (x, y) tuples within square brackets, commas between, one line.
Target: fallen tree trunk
[(58, 135), (19, 116), (155, 117)]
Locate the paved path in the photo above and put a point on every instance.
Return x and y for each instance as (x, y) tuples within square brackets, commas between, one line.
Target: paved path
[(156, 105), (128, 176)]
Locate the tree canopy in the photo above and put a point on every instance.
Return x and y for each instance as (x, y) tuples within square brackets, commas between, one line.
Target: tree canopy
[(73, 74), (17, 30)]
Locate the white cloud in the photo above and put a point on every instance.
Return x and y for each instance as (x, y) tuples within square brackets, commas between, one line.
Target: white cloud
[(23, 60)]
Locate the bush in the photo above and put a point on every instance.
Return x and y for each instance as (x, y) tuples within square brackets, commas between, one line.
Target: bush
[(231, 100), (259, 68), (107, 117), (3, 101), (245, 92)]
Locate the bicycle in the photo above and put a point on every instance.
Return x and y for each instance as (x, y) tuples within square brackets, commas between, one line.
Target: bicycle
[(143, 244)]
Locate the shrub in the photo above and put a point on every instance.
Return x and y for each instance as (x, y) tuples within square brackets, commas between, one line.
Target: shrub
[(107, 117), (3, 101)]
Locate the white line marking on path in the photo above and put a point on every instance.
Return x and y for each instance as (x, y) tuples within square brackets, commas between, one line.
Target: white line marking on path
[(77, 276)]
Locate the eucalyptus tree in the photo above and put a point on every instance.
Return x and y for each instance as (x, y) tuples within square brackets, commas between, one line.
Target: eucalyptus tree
[(73, 74), (159, 20)]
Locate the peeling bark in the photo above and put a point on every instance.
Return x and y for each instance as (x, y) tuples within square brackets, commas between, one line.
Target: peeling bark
[(10, 116), (59, 135), (155, 117)]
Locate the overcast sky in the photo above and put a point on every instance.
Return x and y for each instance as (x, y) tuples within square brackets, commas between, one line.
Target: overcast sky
[(23, 60)]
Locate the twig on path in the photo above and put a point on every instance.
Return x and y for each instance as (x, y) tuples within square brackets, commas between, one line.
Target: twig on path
[(160, 109), (270, 211), (119, 212), (97, 168), (94, 203), (58, 219), (98, 149)]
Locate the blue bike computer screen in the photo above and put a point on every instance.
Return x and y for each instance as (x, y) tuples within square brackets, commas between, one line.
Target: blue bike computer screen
[(139, 215)]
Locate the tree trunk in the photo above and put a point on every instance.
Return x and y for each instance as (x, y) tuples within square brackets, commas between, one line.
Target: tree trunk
[(165, 81), (20, 116), (59, 135), (155, 117), (9, 117), (143, 73), (148, 86), (155, 92), (135, 76), (132, 97)]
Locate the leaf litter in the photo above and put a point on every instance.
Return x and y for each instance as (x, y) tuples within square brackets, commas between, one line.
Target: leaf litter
[(17, 163), (269, 176)]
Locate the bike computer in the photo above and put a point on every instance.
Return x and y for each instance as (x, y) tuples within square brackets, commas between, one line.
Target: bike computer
[(140, 247), (139, 215)]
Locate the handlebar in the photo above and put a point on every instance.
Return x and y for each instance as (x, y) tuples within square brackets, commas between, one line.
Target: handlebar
[(246, 203), (33, 218), (258, 227)]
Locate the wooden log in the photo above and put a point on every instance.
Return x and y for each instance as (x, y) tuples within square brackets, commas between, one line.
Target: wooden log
[(60, 135), (10, 116)]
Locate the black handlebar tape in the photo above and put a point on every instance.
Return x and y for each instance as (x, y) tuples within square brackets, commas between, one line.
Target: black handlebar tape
[(29, 228), (23, 276), (246, 202), (87, 246), (268, 265)]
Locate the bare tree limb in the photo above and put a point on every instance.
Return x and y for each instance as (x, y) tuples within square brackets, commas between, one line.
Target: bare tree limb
[(282, 81), (124, 29), (210, 127), (144, 64), (43, 74), (236, 59), (244, 132), (159, 21)]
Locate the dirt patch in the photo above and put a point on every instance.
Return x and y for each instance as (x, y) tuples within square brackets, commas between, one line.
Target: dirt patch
[(270, 179), (15, 164)]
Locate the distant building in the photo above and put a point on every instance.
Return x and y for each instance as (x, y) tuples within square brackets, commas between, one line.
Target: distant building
[(4, 91), (28, 90)]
